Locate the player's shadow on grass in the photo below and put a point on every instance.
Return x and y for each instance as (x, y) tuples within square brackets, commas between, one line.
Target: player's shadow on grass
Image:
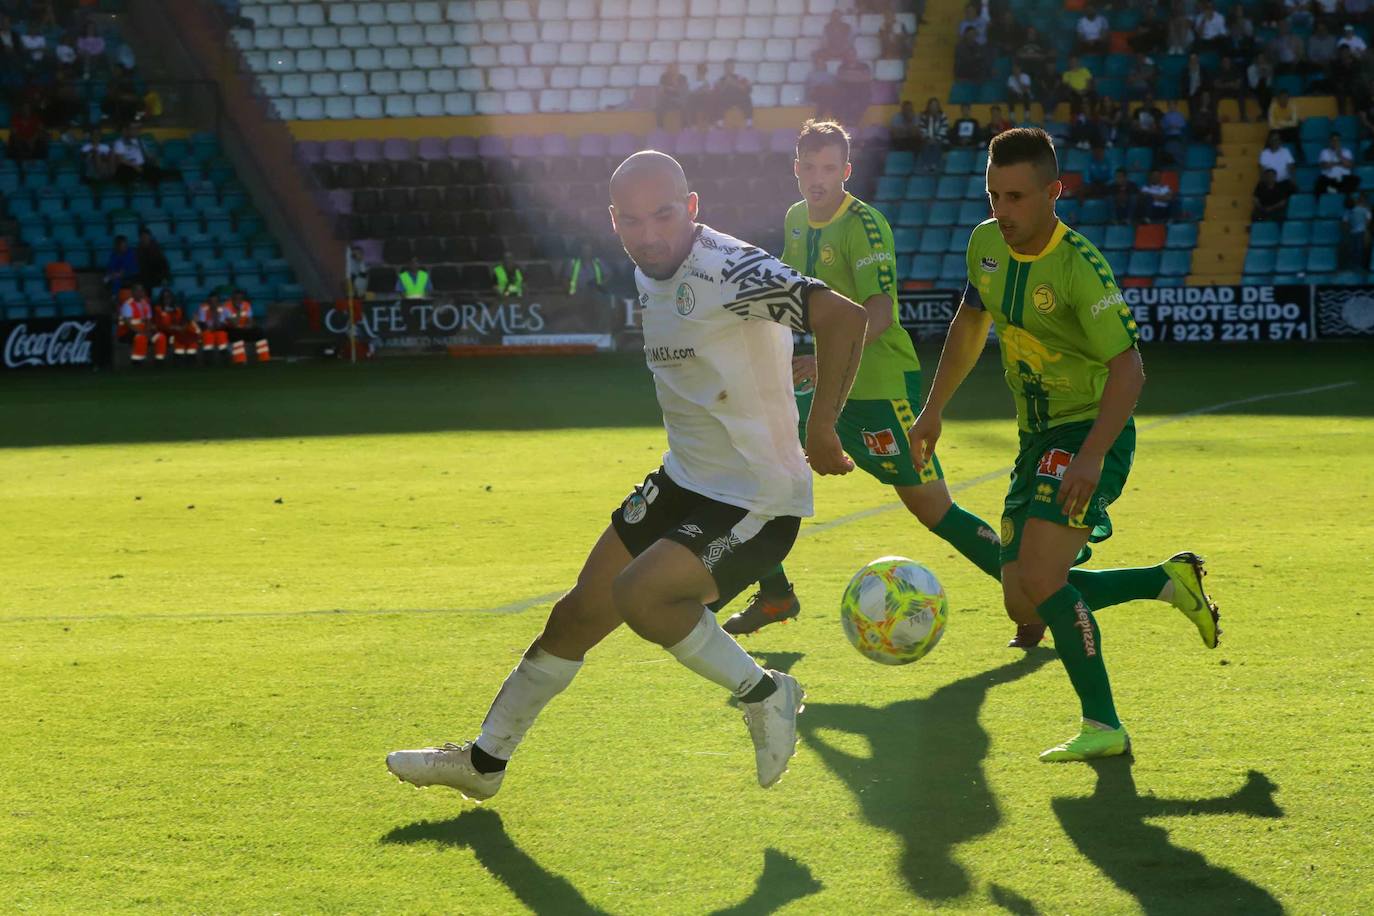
[(924, 778), (482, 831), (783, 881), (1109, 827)]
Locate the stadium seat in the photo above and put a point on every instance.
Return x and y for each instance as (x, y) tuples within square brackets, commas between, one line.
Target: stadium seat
[(1264, 235), (1176, 263), (950, 187), (1301, 206), (912, 213), (1181, 235), (1295, 233), (1291, 261), (934, 240), (942, 213), (1326, 232), (925, 267), (1118, 238), (1320, 259), (953, 267), (1330, 206), (1143, 264), (1149, 237), (972, 212)]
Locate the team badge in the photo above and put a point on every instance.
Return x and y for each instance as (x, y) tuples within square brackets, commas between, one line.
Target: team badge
[(1043, 297), (1054, 463), (796, 232), (635, 509), (883, 443), (989, 264), (827, 254), (686, 299), (1008, 530)]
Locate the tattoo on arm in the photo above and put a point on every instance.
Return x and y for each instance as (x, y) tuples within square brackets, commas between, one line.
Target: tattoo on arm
[(855, 353)]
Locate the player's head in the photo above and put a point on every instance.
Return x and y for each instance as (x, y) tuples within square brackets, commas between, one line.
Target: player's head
[(822, 164), (653, 212), (1023, 183)]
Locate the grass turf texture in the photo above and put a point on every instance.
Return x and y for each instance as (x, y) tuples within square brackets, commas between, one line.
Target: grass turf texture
[(198, 700)]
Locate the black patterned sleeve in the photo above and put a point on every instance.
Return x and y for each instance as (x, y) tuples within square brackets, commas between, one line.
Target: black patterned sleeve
[(754, 284)]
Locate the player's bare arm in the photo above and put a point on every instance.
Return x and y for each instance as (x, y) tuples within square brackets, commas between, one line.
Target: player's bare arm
[(968, 335), (839, 326), (879, 309), (1125, 380)]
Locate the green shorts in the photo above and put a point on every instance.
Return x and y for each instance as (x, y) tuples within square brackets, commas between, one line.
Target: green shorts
[(1040, 466), (873, 433)]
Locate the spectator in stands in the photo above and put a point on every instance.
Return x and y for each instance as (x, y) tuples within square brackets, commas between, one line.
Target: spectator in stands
[(1093, 31), (1259, 82), (905, 128), (701, 99), (122, 102), (1271, 198), (414, 282), (966, 131), (1097, 177), (853, 89), (970, 58), (1147, 128), (734, 91), (820, 87), (1205, 126), (1356, 220), (1286, 50), (28, 139), (1160, 204), (121, 267), (1180, 39), (1005, 34), (1240, 30), (1115, 120), (1284, 120), (1337, 168), (837, 38), (1227, 83), (1020, 91), (35, 45), (1076, 84), (1125, 197), (97, 159), (1351, 39), (585, 272), (508, 279), (1142, 77), (672, 93), (1278, 157), (91, 48), (1345, 80), (1151, 36), (997, 123), (1085, 130), (1367, 123), (1195, 78), (134, 161), (1321, 53), (894, 41), (934, 136), (975, 19), (1209, 28), (153, 269), (1037, 58), (1174, 126)]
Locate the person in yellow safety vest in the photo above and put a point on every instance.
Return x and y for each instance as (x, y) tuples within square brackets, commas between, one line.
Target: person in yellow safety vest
[(413, 283), (510, 281), (585, 272)]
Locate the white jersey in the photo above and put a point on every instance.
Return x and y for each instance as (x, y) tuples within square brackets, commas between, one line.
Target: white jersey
[(718, 339)]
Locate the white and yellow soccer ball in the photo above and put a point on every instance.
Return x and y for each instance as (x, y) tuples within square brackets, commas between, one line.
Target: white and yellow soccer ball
[(894, 611)]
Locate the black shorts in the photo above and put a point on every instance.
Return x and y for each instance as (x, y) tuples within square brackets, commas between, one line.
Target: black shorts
[(735, 545)]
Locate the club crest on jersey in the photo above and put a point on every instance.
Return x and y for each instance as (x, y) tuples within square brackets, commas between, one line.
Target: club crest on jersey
[(635, 509), (881, 443), (827, 254), (686, 300), (796, 232), (1043, 297), (989, 264), (1054, 463)]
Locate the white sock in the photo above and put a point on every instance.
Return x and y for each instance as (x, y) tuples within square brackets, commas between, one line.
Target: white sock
[(709, 651), (528, 688)]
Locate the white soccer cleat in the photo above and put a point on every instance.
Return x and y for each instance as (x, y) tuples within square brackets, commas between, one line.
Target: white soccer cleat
[(773, 726), (450, 765)]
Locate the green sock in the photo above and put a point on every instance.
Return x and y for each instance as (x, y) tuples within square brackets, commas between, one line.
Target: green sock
[(1105, 587), (973, 537), (774, 584), (1079, 642)]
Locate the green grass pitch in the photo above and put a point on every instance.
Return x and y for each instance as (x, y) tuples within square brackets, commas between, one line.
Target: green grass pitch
[(227, 594)]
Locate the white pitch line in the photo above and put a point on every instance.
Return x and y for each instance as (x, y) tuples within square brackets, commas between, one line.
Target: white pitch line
[(525, 604)]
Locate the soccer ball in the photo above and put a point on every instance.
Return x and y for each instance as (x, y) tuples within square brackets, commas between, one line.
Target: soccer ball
[(894, 611)]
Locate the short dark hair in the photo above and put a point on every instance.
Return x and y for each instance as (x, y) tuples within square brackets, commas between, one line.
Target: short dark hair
[(816, 135), (1025, 144)]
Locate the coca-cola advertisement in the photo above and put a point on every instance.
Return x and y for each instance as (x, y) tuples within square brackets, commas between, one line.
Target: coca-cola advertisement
[(56, 343)]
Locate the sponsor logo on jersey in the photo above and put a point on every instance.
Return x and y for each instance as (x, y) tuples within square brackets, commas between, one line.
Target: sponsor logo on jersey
[(796, 232), (882, 443), (718, 549), (693, 272), (1107, 302), (988, 534), (874, 258), (1043, 297), (686, 300), (1083, 620), (1054, 463), (827, 254), (1043, 493), (668, 355), (989, 264)]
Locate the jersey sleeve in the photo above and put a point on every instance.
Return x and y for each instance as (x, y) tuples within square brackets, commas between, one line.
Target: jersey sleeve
[(1107, 322), (972, 298), (872, 256), (754, 284)]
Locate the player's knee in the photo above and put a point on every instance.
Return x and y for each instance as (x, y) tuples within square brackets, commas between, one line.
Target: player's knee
[(1038, 584), (627, 594)]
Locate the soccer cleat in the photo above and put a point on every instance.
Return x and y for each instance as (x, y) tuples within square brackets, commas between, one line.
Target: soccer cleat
[(773, 726), (1186, 570), (762, 611), (1092, 742), (450, 765), (1028, 636)]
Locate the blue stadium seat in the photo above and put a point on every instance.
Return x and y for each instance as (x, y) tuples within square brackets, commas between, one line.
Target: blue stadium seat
[(1094, 211), (1291, 261), (899, 162), (890, 187), (951, 187), (70, 304), (1301, 206), (1330, 206), (1256, 279), (953, 267), (1139, 158), (976, 187), (1321, 260), (1260, 261), (920, 187), (1264, 235), (1119, 238), (1326, 232), (925, 267), (1315, 129), (912, 213), (973, 212), (1295, 233), (1075, 160), (942, 213), (963, 93), (959, 162), (1143, 264), (1200, 156), (1181, 235), (1176, 263), (16, 312), (934, 240), (1191, 183)]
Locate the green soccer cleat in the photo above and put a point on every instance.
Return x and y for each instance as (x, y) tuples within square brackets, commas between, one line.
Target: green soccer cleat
[(1092, 742), (1186, 570)]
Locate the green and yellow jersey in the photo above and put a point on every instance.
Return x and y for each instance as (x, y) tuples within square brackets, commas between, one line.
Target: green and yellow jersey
[(1059, 316), (853, 254)]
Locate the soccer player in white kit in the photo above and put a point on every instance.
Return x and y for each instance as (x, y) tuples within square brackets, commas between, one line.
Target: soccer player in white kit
[(726, 504)]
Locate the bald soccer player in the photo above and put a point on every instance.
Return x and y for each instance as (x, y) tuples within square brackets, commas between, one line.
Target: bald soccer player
[(725, 505)]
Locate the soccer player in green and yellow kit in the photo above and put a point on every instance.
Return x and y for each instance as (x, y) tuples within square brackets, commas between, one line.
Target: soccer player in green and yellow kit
[(832, 236), (1069, 351)]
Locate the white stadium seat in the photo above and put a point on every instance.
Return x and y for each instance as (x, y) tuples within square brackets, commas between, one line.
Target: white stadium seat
[(270, 84), (243, 39), (553, 100), (512, 55), (608, 99), (495, 33), (400, 13), (704, 9), (764, 96), (310, 14), (691, 52), (472, 80), (613, 30), (396, 58), (353, 83), (553, 30), (414, 82), (383, 82), (309, 108), (458, 104), (777, 49), (467, 34), (593, 78), (647, 74), (672, 9), (821, 7), (428, 12), (371, 13), (732, 7), (791, 8), (501, 78), (400, 106), (813, 26), (310, 60), (601, 54), (338, 108), (490, 103), (439, 34), (749, 49), (454, 56), (643, 9), (669, 29), (529, 78), (460, 11), (701, 29), (642, 30), (281, 15), (423, 57), (804, 48), (622, 77), (543, 54), (367, 106), (266, 39), (353, 36), (584, 30), (730, 27), (517, 10), (524, 33), (869, 24), (368, 59), (772, 73), (324, 37), (563, 77), (255, 61), (442, 81), (255, 13), (867, 47), (551, 9), (281, 61), (761, 8), (483, 56), (634, 52), (797, 72), (792, 94), (889, 71), (488, 10), (662, 52), (284, 108), (323, 84), (339, 60), (581, 9), (583, 100), (381, 36), (758, 28), (343, 14), (719, 50), (615, 9), (572, 54), (410, 35), (429, 105), (786, 27)]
